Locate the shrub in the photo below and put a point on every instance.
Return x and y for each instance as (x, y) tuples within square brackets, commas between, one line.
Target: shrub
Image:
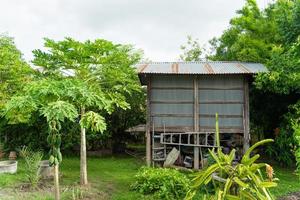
[(32, 164), (282, 148), (243, 180), (164, 183), (235, 181)]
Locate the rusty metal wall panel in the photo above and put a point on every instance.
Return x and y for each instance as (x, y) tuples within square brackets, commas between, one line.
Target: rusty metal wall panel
[(223, 122), (172, 109), (171, 95), (172, 121)]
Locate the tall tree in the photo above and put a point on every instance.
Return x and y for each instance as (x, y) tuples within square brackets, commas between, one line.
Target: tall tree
[(105, 68), (192, 50), (47, 99), (14, 71)]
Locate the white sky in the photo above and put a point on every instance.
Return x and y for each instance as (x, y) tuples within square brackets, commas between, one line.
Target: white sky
[(158, 27)]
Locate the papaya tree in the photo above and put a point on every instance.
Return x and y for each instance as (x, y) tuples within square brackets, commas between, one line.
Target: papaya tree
[(46, 102), (105, 71)]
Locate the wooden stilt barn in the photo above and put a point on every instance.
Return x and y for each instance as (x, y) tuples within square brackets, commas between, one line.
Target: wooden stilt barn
[(182, 99)]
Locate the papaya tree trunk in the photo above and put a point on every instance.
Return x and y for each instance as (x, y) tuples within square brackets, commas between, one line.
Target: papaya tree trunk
[(56, 182), (83, 164)]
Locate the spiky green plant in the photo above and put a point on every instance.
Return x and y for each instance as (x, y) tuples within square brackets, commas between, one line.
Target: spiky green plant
[(32, 163), (234, 181)]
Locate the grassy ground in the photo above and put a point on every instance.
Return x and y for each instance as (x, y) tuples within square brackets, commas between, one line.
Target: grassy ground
[(110, 178)]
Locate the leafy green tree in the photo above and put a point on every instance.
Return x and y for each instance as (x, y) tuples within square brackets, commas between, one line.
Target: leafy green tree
[(14, 71), (192, 50), (251, 36), (45, 98), (106, 71)]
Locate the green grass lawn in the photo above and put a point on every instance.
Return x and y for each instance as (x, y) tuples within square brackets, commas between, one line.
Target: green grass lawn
[(110, 178)]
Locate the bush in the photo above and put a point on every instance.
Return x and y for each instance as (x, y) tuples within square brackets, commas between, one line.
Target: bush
[(162, 182), (282, 148), (32, 164)]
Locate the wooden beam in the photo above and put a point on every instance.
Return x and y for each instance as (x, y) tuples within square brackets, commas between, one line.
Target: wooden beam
[(148, 124), (196, 122), (246, 115)]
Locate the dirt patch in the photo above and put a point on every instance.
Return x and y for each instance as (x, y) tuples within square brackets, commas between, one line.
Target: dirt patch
[(292, 196)]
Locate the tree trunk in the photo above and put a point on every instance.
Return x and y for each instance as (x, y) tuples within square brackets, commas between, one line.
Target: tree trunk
[(56, 182), (83, 164)]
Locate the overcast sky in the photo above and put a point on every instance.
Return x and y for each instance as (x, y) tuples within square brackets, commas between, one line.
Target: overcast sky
[(158, 27)]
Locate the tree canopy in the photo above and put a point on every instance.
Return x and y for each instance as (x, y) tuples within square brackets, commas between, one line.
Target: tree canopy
[(14, 71)]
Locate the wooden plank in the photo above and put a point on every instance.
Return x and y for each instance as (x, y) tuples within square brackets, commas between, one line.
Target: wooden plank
[(196, 122), (246, 115), (148, 124)]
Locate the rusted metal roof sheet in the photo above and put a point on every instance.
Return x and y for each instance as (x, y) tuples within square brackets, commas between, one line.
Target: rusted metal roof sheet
[(200, 68)]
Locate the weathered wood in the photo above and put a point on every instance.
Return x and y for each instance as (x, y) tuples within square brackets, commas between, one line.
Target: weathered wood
[(246, 115), (148, 124), (196, 122)]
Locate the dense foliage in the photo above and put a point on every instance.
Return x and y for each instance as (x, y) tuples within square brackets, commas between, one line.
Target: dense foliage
[(163, 183), (113, 59), (232, 179), (269, 36), (14, 71)]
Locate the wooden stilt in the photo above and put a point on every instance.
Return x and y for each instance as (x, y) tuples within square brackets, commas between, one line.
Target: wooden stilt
[(246, 116), (196, 123)]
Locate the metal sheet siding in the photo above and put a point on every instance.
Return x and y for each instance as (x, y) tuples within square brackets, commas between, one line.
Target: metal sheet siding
[(221, 109), (223, 122), (172, 101), (223, 95), (207, 95), (171, 94), (172, 121), (164, 92), (174, 81), (186, 109)]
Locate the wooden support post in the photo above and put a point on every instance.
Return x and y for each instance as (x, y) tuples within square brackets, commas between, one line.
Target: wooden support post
[(246, 116), (196, 123), (148, 125)]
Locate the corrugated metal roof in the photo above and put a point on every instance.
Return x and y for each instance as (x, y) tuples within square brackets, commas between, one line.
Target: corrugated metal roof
[(200, 68)]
